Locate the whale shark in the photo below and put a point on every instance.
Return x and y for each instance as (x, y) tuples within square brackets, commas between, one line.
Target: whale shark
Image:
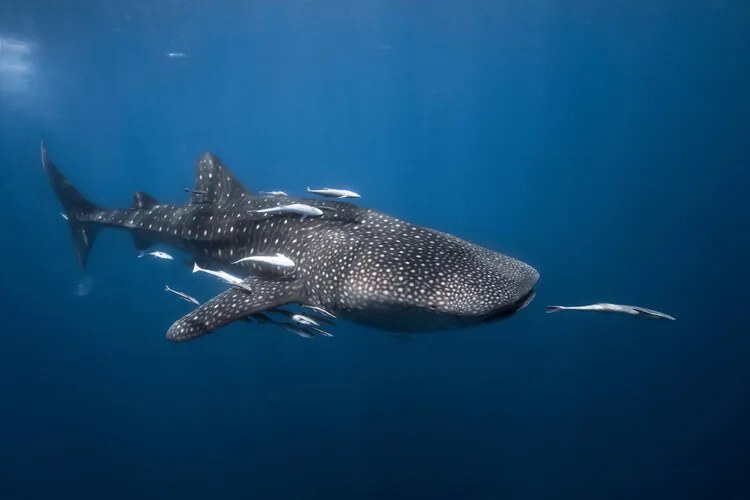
[(355, 263)]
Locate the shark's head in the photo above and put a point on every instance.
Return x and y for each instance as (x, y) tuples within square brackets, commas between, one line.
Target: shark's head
[(484, 285), (435, 281)]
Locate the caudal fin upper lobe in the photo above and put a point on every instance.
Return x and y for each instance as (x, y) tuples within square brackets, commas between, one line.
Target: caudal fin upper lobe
[(75, 206)]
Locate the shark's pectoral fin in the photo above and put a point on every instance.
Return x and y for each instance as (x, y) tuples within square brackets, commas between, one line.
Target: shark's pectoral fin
[(257, 295)]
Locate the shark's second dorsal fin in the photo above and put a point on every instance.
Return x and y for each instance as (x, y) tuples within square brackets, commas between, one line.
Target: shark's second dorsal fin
[(143, 200), (214, 183)]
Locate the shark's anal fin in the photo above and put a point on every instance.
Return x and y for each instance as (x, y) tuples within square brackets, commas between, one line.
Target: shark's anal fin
[(214, 183), (234, 304), (142, 200)]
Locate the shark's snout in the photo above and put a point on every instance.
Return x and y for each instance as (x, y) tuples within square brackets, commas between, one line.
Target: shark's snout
[(526, 280), (500, 284), (522, 285)]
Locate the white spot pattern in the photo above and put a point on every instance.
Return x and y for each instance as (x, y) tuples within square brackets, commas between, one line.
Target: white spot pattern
[(359, 264)]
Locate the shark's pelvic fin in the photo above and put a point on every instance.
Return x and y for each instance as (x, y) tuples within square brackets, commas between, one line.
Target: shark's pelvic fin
[(143, 201), (141, 241), (214, 183), (75, 205), (234, 304)]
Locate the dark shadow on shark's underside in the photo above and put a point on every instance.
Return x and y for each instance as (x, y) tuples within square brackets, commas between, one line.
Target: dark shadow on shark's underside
[(358, 264)]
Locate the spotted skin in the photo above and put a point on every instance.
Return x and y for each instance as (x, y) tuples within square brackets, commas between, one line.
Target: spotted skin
[(356, 263), (229, 306)]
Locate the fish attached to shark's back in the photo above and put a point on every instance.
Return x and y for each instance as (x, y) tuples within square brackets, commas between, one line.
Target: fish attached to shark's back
[(352, 262)]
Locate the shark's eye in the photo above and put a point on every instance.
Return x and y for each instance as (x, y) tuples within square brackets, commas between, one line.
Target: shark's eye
[(432, 307)]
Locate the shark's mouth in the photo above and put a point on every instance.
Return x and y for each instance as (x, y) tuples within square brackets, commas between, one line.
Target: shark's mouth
[(508, 311)]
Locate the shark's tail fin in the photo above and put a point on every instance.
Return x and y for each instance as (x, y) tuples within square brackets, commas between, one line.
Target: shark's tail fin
[(554, 309), (74, 205)]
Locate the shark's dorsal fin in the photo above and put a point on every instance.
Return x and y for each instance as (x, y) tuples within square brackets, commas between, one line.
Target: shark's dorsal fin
[(214, 183), (143, 201), (257, 295)]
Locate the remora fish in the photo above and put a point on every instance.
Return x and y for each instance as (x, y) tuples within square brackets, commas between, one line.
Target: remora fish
[(293, 209), (279, 260), (224, 276), (182, 295), (319, 310), (614, 309), (300, 319), (304, 320), (355, 263), (334, 193), (302, 332), (157, 254)]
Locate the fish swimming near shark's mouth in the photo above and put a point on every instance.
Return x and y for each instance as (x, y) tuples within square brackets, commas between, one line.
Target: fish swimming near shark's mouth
[(352, 262)]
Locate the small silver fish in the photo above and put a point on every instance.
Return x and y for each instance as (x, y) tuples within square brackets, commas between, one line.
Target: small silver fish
[(321, 331), (299, 331), (294, 209), (196, 191), (279, 259), (274, 193), (614, 309), (63, 216), (304, 320), (157, 254), (176, 55), (182, 295), (319, 310), (334, 193), (229, 278)]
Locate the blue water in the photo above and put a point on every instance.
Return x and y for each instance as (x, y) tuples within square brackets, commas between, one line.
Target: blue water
[(604, 143)]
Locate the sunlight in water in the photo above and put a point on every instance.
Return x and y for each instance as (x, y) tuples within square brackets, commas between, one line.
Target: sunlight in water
[(16, 68), (83, 287)]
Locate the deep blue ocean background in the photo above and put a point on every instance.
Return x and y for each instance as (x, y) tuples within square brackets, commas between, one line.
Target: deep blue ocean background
[(605, 143)]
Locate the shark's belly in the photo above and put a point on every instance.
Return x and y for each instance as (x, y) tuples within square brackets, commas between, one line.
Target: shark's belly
[(397, 318)]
